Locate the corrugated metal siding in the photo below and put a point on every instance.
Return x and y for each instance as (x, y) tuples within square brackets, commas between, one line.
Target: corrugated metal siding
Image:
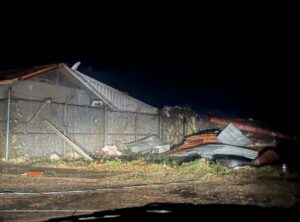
[(39, 91), (3, 108), (3, 91), (83, 125), (120, 100)]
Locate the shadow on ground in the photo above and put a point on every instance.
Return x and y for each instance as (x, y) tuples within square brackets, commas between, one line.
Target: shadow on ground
[(188, 212)]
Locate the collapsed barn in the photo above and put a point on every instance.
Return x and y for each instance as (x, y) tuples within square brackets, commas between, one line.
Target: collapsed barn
[(55, 111)]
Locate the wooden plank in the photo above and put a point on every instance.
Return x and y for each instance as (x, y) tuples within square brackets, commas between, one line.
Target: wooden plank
[(66, 139)]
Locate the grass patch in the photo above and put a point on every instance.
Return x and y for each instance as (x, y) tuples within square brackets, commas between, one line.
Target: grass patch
[(202, 167), (145, 163), (62, 164), (145, 168)]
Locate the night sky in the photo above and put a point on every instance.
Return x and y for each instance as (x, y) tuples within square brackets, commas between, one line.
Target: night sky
[(225, 61)]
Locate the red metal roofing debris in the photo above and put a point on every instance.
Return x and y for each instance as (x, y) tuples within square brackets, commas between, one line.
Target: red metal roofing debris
[(250, 128), (259, 137), (7, 77), (197, 140)]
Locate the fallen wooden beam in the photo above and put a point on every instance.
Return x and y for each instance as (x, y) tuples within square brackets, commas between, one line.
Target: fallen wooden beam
[(66, 139)]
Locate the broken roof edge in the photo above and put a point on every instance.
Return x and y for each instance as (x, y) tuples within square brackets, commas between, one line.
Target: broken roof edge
[(40, 70), (82, 78), (88, 86), (116, 90)]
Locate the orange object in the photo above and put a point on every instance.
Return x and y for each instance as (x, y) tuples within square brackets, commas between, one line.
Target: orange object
[(34, 174), (267, 157), (197, 140)]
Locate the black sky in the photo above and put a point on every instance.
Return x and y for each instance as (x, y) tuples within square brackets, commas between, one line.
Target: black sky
[(232, 61)]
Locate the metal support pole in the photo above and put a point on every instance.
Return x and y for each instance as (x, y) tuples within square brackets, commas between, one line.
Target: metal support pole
[(7, 148)]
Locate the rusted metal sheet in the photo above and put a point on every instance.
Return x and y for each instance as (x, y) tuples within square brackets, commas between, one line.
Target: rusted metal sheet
[(8, 77), (250, 128), (197, 140)]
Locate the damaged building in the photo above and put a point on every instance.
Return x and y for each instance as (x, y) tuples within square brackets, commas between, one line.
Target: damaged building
[(55, 111)]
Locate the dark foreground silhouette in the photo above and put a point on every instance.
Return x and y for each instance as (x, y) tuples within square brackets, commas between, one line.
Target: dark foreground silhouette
[(189, 212)]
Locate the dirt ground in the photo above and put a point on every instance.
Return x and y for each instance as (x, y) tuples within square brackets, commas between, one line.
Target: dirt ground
[(65, 192)]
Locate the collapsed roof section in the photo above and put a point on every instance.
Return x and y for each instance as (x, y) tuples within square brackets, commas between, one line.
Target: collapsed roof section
[(112, 98), (11, 76)]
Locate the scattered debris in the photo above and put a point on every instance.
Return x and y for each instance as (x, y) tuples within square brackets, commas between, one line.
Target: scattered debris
[(34, 174), (249, 127), (18, 160), (237, 139), (233, 136), (150, 144), (197, 140), (111, 151), (267, 156), (232, 161), (162, 148), (208, 151), (263, 144), (230, 141), (72, 155), (54, 156), (144, 145)]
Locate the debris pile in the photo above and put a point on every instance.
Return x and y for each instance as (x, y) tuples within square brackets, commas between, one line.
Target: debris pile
[(111, 151), (150, 144), (234, 139), (234, 142)]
